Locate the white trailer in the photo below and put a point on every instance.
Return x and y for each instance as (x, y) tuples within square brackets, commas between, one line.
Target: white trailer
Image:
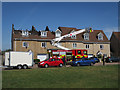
[(19, 59)]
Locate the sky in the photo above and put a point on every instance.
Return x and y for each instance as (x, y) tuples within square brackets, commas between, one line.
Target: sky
[(98, 15)]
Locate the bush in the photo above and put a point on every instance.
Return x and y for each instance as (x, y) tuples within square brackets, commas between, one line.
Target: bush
[(36, 61)]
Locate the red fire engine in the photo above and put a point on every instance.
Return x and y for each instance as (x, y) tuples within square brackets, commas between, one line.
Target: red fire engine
[(65, 52), (68, 54)]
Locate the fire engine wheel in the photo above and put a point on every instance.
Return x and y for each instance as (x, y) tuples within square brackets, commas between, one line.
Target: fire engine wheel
[(78, 64), (19, 66), (25, 66), (46, 66), (60, 65)]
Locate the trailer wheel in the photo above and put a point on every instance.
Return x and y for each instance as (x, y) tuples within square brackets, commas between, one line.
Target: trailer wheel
[(19, 66), (25, 66)]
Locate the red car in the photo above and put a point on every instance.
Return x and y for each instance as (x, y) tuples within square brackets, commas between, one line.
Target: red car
[(51, 62)]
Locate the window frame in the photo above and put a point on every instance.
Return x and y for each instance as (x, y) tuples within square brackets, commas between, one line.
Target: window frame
[(43, 34), (102, 47), (100, 36), (87, 46), (26, 43), (74, 44), (73, 36), (86, 36), (44, 44)]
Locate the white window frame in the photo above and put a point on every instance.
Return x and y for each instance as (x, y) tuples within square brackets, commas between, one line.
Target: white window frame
[(100, 36), (73, 36), (43, 34), (42, 44), (25, 46), (57, 33), (74, 45), (87, 46), (25, 33), (86, 36), (102, 47)]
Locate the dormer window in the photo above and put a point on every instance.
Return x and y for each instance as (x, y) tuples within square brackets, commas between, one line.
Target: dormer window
[(57, 33), (25, 33), (86, 36), (43, 34), (100, 36), (73, 36)]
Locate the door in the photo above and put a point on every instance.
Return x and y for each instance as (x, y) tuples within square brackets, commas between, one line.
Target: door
[(52, 62), (42, 57)]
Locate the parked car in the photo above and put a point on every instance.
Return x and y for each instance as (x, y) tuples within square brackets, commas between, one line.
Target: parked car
[(83, 61), (112, 59), (51, 62), (96, 59)]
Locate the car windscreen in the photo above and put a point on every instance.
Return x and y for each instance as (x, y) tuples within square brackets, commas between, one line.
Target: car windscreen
[(46, 59)]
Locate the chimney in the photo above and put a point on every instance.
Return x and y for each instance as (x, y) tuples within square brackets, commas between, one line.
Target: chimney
[(12, 27), (47, 29), (33, 28)]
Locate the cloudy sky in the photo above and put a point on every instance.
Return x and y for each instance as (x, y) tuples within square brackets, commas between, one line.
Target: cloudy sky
[(98, 15)]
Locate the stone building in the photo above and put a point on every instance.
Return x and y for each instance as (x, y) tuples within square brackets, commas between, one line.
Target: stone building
[(39, 42), (115, 44)]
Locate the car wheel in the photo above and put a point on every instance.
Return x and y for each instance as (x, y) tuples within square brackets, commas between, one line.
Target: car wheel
[(25, 66), (91, 64), (78, 64), (60, 65), (46, 66), (19, 66)]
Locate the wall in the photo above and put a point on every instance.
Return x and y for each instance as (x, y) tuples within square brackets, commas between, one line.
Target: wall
[(36, 48)]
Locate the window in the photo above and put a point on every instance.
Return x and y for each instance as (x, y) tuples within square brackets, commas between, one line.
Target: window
[(43, 44), (25, 33), (73, 36), (101, 47), (25, 44), (87, 46), (74, 45), (79, 52), (100, 36), (86, 36), (58, 33), (58, 59), (53, 59), (85, 52), (44, 34)]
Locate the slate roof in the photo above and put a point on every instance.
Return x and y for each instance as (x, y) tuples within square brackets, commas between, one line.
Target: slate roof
[(65, 30)]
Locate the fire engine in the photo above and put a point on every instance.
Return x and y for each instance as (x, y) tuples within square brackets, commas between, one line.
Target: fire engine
[(66, 52)]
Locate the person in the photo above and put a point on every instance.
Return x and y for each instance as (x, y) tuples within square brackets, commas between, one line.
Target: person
[(64, 61), (103, 61), (73, 58)]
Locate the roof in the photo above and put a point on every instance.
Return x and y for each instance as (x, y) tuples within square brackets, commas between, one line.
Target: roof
[(65, 30), (117, 35)]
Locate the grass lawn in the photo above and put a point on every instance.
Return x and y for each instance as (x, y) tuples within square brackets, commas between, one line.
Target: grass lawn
[(65, 77)]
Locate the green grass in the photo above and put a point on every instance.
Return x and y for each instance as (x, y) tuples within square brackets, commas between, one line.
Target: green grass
[(65, 77)]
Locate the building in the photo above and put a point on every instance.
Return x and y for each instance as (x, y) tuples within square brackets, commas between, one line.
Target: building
[(115, 44), (39, 42)]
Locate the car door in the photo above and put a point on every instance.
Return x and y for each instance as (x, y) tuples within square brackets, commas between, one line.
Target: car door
[(57, 61), (86, 61), (52, 62)]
